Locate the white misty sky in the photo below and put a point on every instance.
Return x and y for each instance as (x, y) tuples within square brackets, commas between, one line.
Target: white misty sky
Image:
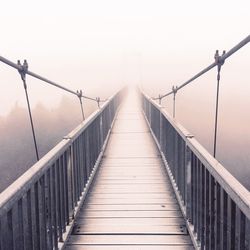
[(98, 45)]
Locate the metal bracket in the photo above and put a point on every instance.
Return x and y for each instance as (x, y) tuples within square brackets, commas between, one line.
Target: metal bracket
[(22, 71), (175, 89), (218, 59), (79, 93)]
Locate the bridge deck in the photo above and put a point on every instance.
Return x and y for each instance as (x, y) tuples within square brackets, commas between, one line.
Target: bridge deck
[(131, 204)]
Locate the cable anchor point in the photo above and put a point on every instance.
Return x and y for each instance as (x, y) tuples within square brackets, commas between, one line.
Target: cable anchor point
[(219, 61)]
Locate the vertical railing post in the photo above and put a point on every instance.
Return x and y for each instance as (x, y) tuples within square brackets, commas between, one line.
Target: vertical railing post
[(174, 89), (101, 129), (110, 113), (161, 131), (150, 114), (188, 181), (70, 177), (247, 237)]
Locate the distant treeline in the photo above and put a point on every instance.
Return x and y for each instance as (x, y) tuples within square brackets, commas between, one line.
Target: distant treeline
[(16, 144)]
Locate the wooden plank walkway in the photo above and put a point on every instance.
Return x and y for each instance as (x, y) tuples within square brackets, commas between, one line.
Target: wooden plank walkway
[(131, 204)]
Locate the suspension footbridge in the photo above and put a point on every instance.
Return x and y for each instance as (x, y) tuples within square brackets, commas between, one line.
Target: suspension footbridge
[(129, 177)]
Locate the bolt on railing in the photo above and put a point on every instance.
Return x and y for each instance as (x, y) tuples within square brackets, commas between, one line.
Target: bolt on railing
[(219, 61)]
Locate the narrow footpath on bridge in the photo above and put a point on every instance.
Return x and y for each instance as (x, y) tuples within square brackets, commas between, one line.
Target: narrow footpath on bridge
[(131, 204)]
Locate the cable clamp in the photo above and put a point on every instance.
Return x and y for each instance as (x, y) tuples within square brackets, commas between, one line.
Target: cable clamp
[(175, 89), (218, 59), (219, 62), (98, 101), (79, 93), (159, 98), (23, 70)]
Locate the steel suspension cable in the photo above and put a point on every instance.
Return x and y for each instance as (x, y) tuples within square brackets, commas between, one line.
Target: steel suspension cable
[(22, 72), (211, 66), (219, 62), (19, 67)]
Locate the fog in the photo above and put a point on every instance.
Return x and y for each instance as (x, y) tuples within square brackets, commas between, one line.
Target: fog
[(98, 46), (17, 151), (195, 110)]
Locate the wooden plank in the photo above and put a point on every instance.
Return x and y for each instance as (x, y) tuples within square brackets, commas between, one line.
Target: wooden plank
[(131, 204), (132, 171), (116, 164), (132, 161), (86, 229), (129, 207), (124, 162), (110, 182), (127, 190), (132, 221), (130, 214), (132, 207), (128, 247), (130, 185), (131, 195), (124, 173), (131, 177), (118, 185), (130, 239), (131, 201)]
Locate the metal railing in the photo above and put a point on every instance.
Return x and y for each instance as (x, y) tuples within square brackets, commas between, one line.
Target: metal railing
[(36, 211), (215, 205), (23, 71), (219, 61)]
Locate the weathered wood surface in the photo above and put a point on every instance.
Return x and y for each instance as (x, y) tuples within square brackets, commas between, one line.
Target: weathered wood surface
[(131, 204)]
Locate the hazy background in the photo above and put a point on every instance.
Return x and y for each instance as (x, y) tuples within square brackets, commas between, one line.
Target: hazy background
[(98, 46)]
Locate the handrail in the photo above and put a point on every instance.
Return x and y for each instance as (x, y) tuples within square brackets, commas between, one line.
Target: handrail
[(22, 183), (37, 208), (212, 200)]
